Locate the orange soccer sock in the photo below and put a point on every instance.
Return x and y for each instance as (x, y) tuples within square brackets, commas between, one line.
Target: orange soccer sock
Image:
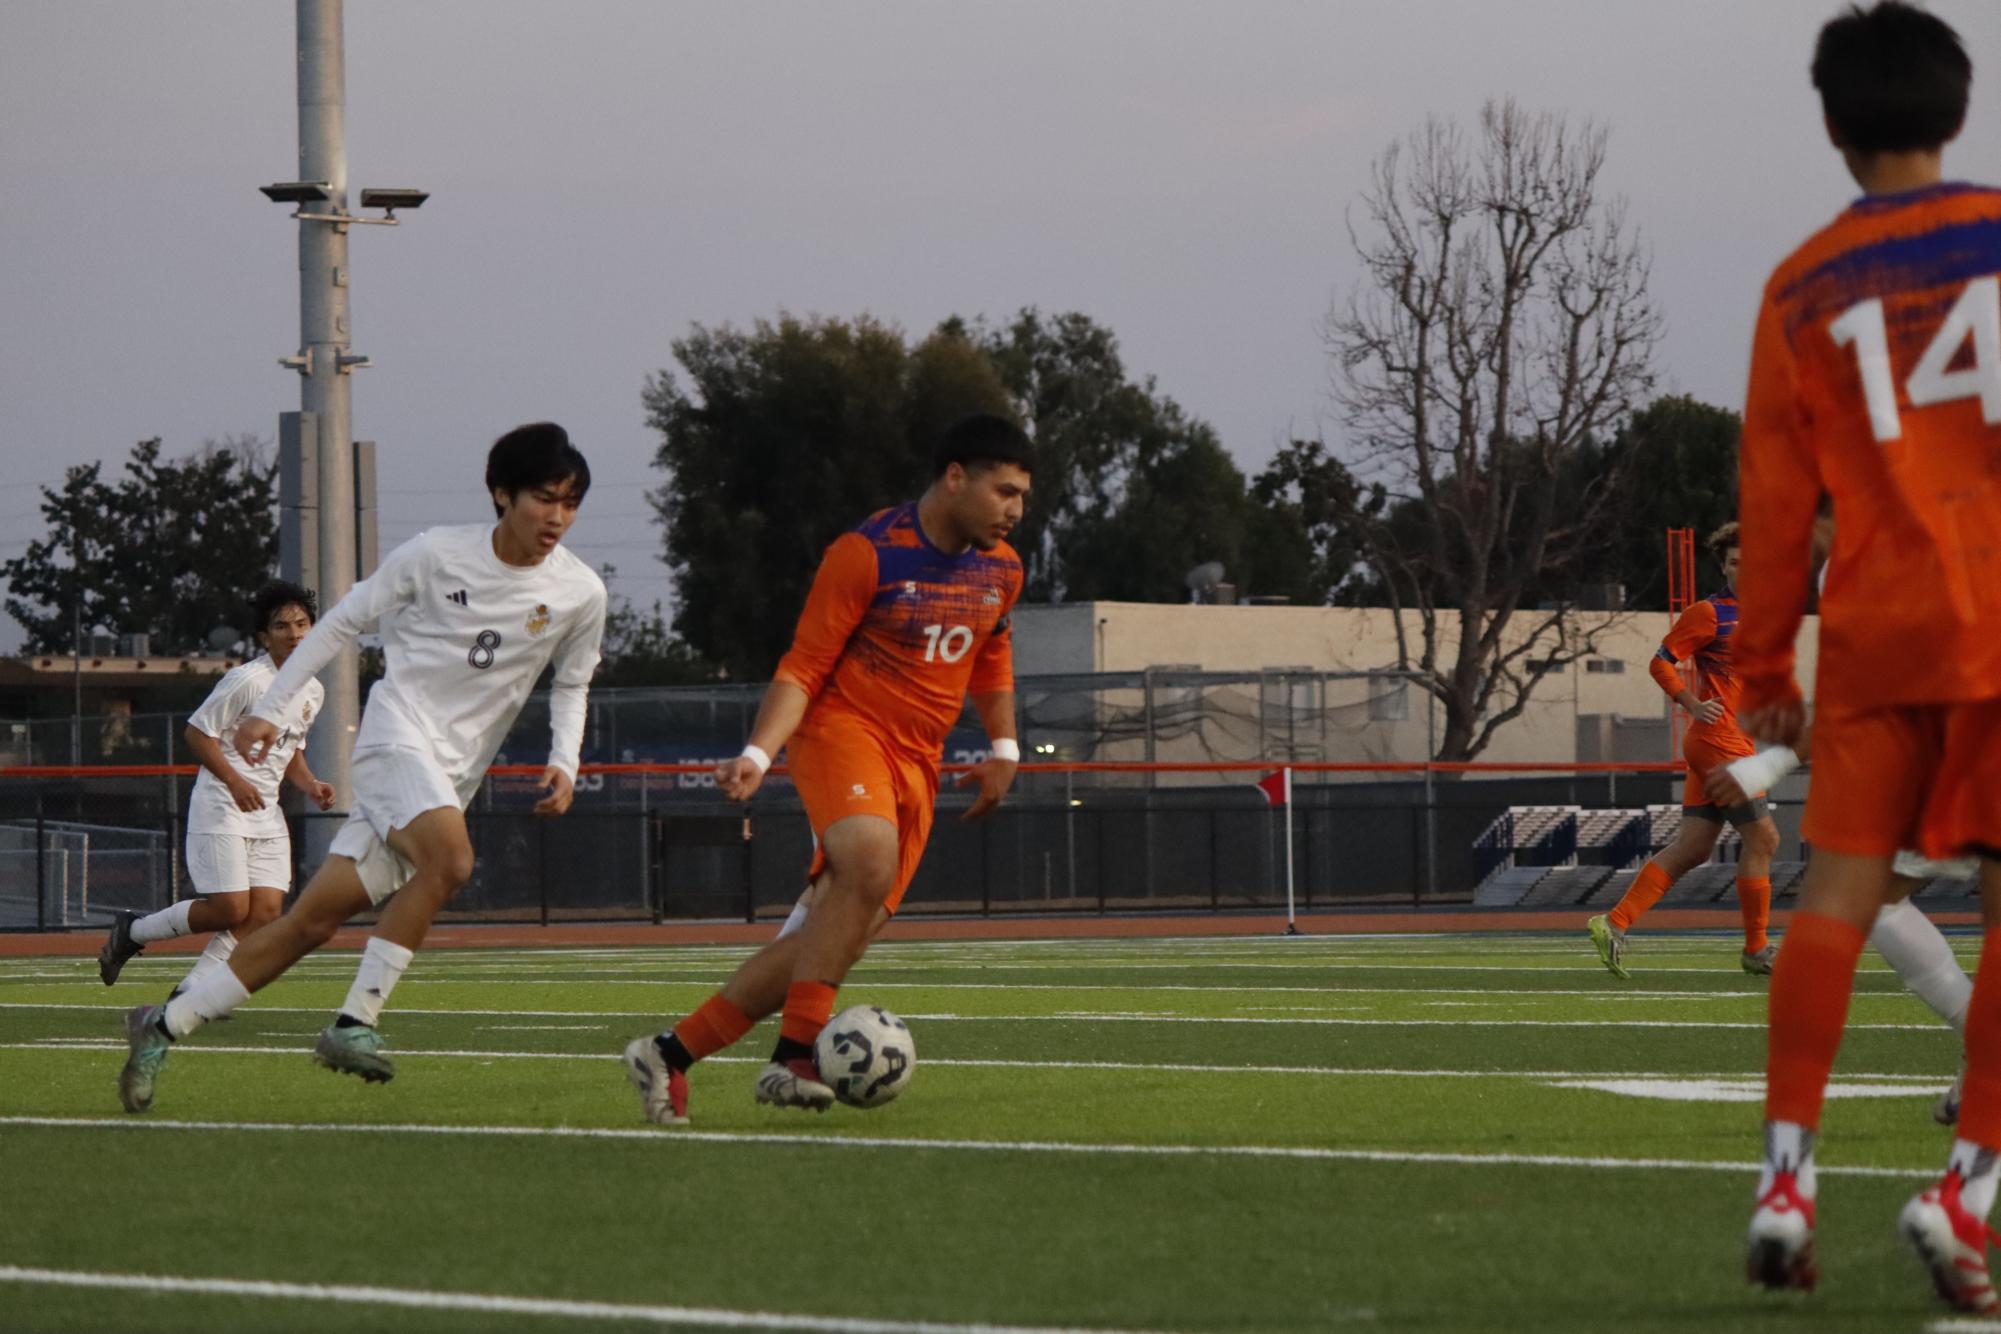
[(808, 1007), (1808, 1007), (1754, 901), (1980, 1104), (715, 1025), (1642, 894)]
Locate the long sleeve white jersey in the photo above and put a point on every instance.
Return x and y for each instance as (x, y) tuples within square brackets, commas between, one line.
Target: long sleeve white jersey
[(465, 636), (211, 810)]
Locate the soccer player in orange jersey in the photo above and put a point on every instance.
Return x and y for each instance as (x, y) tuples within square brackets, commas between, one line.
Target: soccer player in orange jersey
[(1876, 379), (1704, 633), (908, 617)]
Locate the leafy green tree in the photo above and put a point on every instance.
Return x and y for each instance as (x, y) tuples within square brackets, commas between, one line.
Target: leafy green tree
[(785, 436), (1676, 464), (172, 548)]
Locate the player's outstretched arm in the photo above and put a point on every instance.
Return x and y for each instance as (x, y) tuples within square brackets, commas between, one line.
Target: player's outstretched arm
[(778, 717), (575, 662), (394, 582), (995, 775), (300, 775)]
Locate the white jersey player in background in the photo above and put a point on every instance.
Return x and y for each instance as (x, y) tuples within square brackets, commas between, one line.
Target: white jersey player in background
[(239, 850), (469, 617), (1909, 941)]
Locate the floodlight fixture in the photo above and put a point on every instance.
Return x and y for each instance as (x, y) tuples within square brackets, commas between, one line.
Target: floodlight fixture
[(298, 192), (389, 200)]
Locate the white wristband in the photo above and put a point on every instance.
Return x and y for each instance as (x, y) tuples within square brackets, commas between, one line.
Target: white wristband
[(1761, 772), (756, 755), (1006, 748)]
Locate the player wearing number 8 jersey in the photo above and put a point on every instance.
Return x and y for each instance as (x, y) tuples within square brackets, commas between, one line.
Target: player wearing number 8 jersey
[(469, 618), (907, 618), (1876, 380)]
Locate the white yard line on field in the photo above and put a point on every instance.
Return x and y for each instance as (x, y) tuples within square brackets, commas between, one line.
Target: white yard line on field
[(1161, 1067), (427, 1299), (670, 1137), (1083, 1016)]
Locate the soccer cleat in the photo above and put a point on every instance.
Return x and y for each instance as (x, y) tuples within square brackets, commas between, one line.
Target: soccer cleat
[(1953, 1245), (118, 947), (1946, 1110), (150, 1045), (354, 1050), (1759, 962), (794, 1083), (663, 1090), (1610, 942), (1779, 1247)]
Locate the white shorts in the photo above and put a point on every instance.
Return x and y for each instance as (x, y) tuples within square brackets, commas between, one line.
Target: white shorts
[(392, 787), (233, 864), (1919, 867)]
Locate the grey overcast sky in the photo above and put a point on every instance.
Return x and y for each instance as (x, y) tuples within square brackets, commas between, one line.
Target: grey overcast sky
[(605, 174)]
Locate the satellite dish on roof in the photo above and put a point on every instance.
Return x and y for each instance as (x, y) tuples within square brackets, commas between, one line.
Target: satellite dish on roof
[(1204, 576)]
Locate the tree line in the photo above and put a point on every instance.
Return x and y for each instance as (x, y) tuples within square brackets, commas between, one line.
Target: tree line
[(1502, 457)]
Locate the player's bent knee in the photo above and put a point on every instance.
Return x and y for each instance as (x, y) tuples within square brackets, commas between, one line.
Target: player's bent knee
[(233, 909)]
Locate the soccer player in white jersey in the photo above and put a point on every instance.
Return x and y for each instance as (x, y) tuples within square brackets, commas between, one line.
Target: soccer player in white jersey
[(469, 617), (239, 851)]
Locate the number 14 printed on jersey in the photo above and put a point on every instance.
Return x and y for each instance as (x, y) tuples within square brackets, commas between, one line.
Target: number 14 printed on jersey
[(1977, 313)]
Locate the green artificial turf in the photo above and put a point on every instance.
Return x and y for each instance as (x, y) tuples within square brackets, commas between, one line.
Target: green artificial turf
[(1230, 1134)]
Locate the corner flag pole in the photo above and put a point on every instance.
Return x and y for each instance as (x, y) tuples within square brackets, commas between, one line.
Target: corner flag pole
[(1291, 919)]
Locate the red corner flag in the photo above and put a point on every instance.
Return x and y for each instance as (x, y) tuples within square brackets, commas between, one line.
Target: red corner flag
[(1277, 787)]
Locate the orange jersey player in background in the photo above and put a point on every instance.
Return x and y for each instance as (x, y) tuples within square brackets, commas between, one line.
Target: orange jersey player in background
[(1876, 380), (908, 617), (1704, 633)]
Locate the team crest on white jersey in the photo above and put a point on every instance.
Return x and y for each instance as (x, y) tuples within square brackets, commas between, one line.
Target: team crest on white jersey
[(538, 620), (306, 713)]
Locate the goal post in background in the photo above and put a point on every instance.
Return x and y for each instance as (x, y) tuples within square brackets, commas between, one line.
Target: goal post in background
[(1681, 595)]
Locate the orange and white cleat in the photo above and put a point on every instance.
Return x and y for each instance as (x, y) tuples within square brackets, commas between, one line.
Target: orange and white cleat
[(1953, 1244), (663, 1090), (1779, 1247)]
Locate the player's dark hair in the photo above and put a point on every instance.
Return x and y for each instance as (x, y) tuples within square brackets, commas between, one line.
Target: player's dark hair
[(1892, 78), (981, 441), (277, 595), (538, 454), (1728, 536)]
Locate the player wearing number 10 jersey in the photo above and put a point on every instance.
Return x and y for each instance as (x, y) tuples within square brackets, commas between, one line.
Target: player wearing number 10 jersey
[(469, 617), (907, 618), (1876, 380)]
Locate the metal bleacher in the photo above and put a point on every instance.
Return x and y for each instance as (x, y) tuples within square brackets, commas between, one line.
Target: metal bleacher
[(1562, 856)]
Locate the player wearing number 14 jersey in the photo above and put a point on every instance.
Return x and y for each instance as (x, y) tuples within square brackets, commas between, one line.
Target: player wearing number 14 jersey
[(1876, 380), (908, 617), (469, 617)]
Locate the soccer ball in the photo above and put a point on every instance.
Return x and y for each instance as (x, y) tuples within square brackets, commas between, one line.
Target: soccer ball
[(865, 1055)]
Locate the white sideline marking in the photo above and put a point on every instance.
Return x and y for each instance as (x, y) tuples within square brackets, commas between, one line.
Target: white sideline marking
[(1925, 1083), (1081, 1016), (431, 1300), (1283, 1152), (1725, 1090)]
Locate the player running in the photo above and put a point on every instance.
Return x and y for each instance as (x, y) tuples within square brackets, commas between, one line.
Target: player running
[(1704, 633), (239, 850), (908, 617), (1875, 377), (469, 617)]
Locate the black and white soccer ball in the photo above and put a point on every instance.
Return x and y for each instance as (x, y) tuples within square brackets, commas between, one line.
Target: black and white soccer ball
[(865, 1055)]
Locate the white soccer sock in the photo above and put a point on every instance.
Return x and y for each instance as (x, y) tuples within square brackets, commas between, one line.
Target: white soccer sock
[(1788, 1148), (1913, 945), (1979, 1169), (164, 924), (382, 964), (220, 946), (214, 996)]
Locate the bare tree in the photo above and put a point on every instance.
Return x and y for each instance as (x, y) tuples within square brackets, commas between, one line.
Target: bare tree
[(1503, 325)]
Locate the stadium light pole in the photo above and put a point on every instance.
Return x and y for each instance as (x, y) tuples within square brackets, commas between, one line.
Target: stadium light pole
[(322, 541)]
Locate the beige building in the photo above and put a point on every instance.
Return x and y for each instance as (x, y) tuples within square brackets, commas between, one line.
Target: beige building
[(1605, 706)]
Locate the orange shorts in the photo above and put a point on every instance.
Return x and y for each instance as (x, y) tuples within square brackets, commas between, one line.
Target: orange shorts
[(843, 766), (1924, 776), (1707, 749)]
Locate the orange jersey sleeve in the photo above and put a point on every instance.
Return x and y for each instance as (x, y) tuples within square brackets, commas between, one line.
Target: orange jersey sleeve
[(1876, 379), (993, 670), (842, 589), (1692, 631)]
